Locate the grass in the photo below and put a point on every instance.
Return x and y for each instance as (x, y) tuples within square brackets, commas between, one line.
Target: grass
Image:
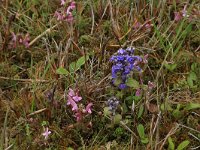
[(34, 80)]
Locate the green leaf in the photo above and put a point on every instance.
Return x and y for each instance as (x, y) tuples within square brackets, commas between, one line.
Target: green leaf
[(166, 106), (191, 78), (117, 81), (81, 61), (62, 71), (119, 94), (176, 113), (117, 118), (183, 145), (171, 145), (124, 108), (170, 67), (194, 66), (106, 111), (140, 129), (145, 140), (132, 83), (70, 148), (191, 106), (72, 67), (141, 110)]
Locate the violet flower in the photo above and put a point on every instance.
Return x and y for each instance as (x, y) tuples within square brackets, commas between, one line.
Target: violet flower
[(123, 64)]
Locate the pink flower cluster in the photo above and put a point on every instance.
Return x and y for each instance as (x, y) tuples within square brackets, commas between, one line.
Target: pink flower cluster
[(72, 100), (65, 13), (19, 40), (181, 14), (146, 26)]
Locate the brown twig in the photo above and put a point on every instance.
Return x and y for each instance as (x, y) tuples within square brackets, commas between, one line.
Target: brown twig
[(24, 80), (37, 112), (42, 34)]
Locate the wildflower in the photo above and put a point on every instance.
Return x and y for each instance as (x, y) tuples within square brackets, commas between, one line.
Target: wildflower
[(63, 2), (74, 95), (138, 92), (73, 104), (88, 108), (14, 40), (151, 85), (46, 133), (19, 40), (181, 14), (136, 24), (79, 110), (65, 14), (112, 104), (78, 116), (177, 16), (122, 86), (72, 99), (123, 63), (58, 15), (26, 40), (145, 61)]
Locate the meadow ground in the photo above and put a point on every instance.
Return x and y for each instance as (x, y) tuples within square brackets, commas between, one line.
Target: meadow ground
[(99, 74)]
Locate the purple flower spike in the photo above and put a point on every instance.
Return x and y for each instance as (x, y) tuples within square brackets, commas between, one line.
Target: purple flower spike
[(123, 64)]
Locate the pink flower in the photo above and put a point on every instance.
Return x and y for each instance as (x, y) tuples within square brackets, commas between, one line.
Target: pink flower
[(26, 40), (74, 95), (88, 108), (72, 103), (177, 16), (71, 7), (181, 14), (151, 85), (14, 40), (138, 92), (72, 99), (58, 15), (69, 18), (145, 59), (78, 116), (63, 2), (46, 133), (137, 25)]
